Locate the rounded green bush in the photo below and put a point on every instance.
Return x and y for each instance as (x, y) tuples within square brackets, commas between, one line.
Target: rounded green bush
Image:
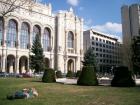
[(59, 74), (70, 74), (87, 77), (49, 76), (78, 73), (122, 77)]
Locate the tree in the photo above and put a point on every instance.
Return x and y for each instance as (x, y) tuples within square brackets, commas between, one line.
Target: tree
[(89, 58), (136, 54), (37, 57), (8, 6), (88, 75)]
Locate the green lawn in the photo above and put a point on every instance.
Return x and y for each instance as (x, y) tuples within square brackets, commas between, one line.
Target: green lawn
[(59, 94)]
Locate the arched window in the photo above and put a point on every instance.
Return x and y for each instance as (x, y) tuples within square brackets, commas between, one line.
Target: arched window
[(24, 37), (46, 39), (11, 34), (36, 30), (1, 30), (70, 40)]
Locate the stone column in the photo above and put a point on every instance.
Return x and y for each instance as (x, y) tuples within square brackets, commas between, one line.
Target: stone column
[(41, 35), (30, 38), (3, 63), (18, 36), (4, 56), (17, 64)]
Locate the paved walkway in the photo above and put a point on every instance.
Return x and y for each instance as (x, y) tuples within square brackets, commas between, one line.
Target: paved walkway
[(102, 81)]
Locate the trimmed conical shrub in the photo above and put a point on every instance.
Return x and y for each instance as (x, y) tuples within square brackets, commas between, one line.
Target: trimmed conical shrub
[(49, 76), (59, 74), (122, 77), (87, 77), (70, 74)]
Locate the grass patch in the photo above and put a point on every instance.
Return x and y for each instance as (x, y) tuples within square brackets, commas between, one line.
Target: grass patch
[(59, 94)]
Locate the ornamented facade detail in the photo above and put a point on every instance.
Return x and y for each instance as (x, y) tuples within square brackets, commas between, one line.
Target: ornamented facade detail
[(61, 37)]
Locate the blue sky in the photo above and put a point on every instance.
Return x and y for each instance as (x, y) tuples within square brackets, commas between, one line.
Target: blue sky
[(102, 15)]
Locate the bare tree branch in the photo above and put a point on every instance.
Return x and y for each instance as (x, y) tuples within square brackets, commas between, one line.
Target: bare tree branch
[(8, 6)]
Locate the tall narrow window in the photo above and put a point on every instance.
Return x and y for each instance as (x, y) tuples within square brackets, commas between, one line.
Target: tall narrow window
[(24, 37), (46, 40), (1, 30), (70, 40), (11, 34), (36, 30)]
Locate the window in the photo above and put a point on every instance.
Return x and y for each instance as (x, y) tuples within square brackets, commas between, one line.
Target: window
[(36, 30), (96, 49), (70, 40), (100, 55), (96, 44), (24, 36), (1, 30), (100, 50), (11, 34), (101, 60), (92, 43), (96, 54), (96, 39), (46, 39), (92, 38)]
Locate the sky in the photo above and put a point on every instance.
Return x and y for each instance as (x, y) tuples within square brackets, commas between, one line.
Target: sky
[(101, 15)]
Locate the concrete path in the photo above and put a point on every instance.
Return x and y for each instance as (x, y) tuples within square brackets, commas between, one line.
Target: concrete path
[(102, 81)]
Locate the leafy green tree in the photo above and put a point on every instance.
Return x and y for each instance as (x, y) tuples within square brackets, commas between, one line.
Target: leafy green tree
[(37, 57), (89, 58), (136, 54)]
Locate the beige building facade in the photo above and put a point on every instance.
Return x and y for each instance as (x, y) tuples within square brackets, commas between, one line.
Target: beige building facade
[(107, 49), (61, 38), (130, 29)]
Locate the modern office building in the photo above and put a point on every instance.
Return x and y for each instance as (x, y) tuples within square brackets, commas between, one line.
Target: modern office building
[(107, 49), (61, 37), (130, 29)]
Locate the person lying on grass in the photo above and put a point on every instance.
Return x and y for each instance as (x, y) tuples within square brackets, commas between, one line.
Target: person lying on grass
[(23, 94)]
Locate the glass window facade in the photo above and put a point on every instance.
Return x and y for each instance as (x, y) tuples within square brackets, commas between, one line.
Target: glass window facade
[(70, 40), (36, 30), (24, 36), (11, 34), (46, 39)]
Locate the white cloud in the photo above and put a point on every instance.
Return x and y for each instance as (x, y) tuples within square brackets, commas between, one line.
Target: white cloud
[(73, 2), (109, 27), (113, 29)]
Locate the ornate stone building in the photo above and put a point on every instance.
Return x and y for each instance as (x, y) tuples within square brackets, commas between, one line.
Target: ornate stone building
[(61, 37)]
